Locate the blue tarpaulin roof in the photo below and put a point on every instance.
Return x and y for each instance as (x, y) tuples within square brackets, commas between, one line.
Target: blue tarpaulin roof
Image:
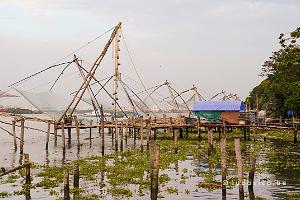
[(218, 106)]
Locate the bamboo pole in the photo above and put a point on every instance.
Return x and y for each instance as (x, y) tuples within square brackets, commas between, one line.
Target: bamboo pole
[(121, 136), (252, 163), (77, 130), (126, 131), (66, 185), (102, 129), (175, 140), (5, 171), (239, 163), (62, 124), (48, 135), (210, 141), (116, 136), (55, 133), (223, 162), (199, 128), (295, 133), (76, 181), (27, 169), (91, 123), (22, 135), (171, 126), (142, 135), (148, 124), (14, 133), (154, 169)]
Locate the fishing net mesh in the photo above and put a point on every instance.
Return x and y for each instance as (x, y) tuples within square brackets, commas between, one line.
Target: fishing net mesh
[(48, 102)]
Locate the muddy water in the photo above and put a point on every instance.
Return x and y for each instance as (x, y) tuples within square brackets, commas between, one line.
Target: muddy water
[(35, 142), (272, 185)]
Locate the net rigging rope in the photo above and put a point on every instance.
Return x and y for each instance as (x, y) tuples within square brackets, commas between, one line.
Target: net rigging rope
[(55, 63), (135, 69)]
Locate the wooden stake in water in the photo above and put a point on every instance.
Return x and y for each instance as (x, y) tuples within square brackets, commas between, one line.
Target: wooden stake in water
[(48, 135), (77, 130), (199, 128), (239, 163), (295, 133), (55, 133), (142, 135), (116, 136), (175, 140), (251, 174), (14, 133), (154, 169), (102, 129), (62, 126), (223, 162), (27, 169), (91, 123), (22, 135), (210, 141), (126, 131), (66, 185), (76, 181), (121, 136), (148, 125)]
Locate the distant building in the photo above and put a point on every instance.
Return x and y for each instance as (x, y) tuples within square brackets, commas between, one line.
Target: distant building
[(228, 111)]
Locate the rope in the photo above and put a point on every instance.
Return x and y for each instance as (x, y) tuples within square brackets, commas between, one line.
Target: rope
[(129, 98), (55, 65), (61, 73), (138, 97), (31, 76), (135, 69)]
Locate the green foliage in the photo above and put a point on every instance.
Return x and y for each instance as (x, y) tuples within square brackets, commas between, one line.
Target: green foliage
[(4, 194), (280, 91)]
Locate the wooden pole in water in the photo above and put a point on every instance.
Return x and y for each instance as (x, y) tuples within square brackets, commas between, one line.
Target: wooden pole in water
[(76, 180), (27, 169), (116, 136), (91, 123), (66, 185), (251, 174), (295, 133), (48, 135), (121, 136), (223, 162), (199, 128), (77, 130), (62, 126), (102, 129), (239, 163), (22, 135), (55, 133), (148, 125), (154, 169), (171, 126), (14, 133), (126, 131), (142, 135), (210, 141), (175, 140)]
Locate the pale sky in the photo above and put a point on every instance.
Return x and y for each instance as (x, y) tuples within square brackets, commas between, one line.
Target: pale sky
[(217, 45)]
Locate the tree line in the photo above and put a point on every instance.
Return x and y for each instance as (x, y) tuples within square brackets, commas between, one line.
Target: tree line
[(279, 93)]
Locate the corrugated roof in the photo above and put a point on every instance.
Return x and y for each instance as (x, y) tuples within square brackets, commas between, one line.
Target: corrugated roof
[(219, 106)]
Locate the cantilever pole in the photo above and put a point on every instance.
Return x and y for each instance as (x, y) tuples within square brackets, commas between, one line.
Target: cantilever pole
[(91, 93), (77, 97)]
